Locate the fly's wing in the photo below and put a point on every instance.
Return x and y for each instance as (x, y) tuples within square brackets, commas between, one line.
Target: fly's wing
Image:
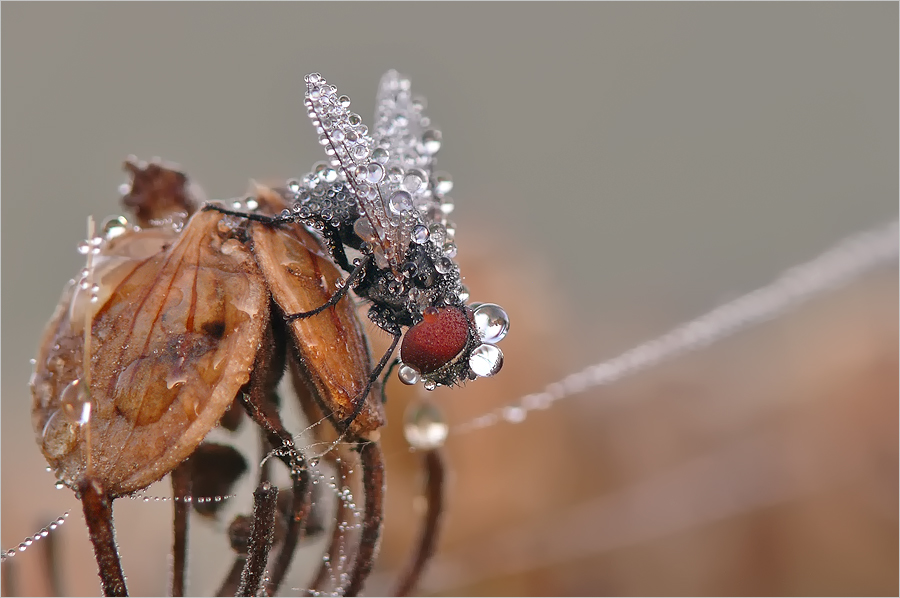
[(174, 334), (331, 346)]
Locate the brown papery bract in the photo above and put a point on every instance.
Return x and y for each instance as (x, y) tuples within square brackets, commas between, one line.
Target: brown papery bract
[(174, 336)]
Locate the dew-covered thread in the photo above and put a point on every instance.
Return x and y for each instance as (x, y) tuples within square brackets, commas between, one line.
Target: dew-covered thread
[(45, 531), (837, 266)]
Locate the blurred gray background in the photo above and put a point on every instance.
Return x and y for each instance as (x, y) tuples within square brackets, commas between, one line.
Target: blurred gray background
[(643, 161)]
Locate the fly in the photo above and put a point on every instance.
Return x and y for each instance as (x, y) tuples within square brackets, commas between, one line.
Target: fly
[(379, 194)]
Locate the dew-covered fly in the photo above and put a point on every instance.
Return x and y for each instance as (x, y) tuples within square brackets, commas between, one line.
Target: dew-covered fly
[(379, 194)]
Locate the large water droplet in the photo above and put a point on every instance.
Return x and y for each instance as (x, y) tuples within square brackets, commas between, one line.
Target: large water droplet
[(414, 180), (424, 426), (374, 173), (420, 234), (380, 155), (431, 141), (486, 360), (114, 226), (443, 265), (443, 184), (363, 230), (58, 436), (492, 322), (407, 375), (400, 202)]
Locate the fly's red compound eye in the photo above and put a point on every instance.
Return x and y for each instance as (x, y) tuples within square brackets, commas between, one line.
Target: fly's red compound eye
[(436, 340)]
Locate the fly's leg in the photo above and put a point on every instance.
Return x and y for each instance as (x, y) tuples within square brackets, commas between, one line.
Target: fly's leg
[(337, 296), (269, 220), (384, 379), (360, 401)]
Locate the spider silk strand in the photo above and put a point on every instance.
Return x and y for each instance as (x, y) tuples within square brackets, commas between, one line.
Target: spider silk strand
[(848, 259)]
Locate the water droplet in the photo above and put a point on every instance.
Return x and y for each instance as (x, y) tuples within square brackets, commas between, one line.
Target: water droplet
[(400, 202), (424, 426), (380, 155), (407, 375), (59, 485), (344, 101), (431, 141), (374, 173), (443, 183), (360, 152), (114, 226), (420, 234), (329, 175), (486, 360), (463, 293), (444, 265), (363, 229), (84, 248), (438, 233), (430, 385), (58, 436), (414, 180), (492, 322), (514, 414), (450, 249), (251, 203)]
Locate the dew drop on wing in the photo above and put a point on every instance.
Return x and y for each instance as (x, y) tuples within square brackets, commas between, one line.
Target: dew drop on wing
[(399, 202), (414, 180), (431, 141), (374, 173), (380, 155), (443, 184), (420, 234)]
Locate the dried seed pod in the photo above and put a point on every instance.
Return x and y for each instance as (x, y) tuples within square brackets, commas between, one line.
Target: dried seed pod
[(331, 348), (173, 330)]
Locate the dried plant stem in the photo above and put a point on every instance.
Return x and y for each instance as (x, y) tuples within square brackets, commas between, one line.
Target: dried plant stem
[(373, 483), (269, 421), (99, 518), (181, 489), (261, 535), (337, 547), (434, 495)]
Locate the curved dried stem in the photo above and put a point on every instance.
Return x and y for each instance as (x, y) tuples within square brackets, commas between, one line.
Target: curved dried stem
[(261, 536), (372, 462), (434, 495), (98, 515), (181, 489)]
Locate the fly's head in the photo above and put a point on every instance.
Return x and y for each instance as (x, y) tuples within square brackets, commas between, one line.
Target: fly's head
[(379, 193)]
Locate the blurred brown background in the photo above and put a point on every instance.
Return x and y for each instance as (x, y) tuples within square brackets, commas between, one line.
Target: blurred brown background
[(619, 168)]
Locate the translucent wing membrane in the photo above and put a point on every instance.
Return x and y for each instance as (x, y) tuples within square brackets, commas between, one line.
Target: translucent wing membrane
[(349, 146)]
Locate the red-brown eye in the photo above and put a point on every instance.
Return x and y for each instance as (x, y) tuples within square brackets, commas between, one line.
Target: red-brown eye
[(436, 340)]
